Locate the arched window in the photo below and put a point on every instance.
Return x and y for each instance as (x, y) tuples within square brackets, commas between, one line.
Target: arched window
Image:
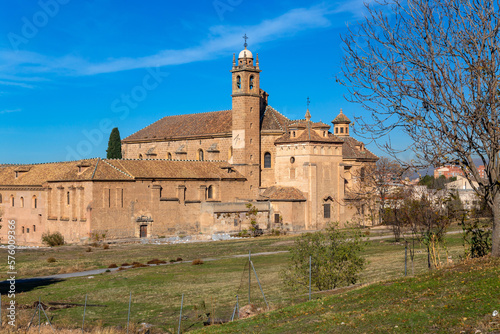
[(34, 203), (12, 200), (200, 154), (238, 82), (336, 130), (267, 160), (341, 130), (251, 82), (140, 156), (22, 202), (169, 156), (210, 192), (67, 198)]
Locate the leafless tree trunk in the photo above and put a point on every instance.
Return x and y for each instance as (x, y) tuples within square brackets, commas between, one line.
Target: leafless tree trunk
[(430, 68)]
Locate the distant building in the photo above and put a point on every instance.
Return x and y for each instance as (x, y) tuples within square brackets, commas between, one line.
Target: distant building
[(448, 171)]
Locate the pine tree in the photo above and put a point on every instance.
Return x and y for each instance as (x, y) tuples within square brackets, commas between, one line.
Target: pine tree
[(114, 150)]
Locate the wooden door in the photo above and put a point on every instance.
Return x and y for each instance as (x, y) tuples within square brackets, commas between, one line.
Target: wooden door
[(144, 231)]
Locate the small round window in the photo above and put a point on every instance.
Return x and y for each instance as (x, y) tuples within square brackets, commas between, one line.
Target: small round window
[(292, 160)]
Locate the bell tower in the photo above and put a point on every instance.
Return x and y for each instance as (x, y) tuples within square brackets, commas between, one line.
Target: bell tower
[(246, 118)]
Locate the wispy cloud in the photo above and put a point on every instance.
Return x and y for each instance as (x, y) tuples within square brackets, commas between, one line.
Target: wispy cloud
[(8, 111), (220, 40), (223, 39)]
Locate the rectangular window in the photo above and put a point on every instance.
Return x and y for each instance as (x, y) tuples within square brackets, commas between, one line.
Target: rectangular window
[(34, 228), (28, 230), (326, 210), (341, 130), (276, 218), (122, 197)]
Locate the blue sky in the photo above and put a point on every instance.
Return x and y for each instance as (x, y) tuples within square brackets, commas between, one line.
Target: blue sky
[(71, 70)]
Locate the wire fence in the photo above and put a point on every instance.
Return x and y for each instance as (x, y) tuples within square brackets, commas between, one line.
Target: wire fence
[(259, 288)]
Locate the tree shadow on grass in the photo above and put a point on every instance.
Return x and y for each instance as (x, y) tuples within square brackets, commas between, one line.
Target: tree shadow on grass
[(28, 284)]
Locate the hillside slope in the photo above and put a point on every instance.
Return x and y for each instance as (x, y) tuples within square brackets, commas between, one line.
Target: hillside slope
[(458, 299)]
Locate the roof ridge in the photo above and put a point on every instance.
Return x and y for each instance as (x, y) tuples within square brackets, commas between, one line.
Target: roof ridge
[(95, 168), (118, 169), (46, 163)]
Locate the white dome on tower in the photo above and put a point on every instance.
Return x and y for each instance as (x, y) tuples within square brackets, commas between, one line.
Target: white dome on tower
[(245, 54)]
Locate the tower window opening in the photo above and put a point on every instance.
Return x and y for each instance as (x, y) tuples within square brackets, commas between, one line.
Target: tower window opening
[(238, 82), (251, 82), (267, 160), (210, 192), (336, 130), (12, 200), (341, 130), (347, 129), (169, 156), (200, 155), (68, 199), (34, 202), (22, 202)]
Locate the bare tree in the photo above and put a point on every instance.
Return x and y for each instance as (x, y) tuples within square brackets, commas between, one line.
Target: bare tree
[(374, 185), (430, 68)]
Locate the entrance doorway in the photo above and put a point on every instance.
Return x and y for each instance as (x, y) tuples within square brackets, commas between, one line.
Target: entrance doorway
[(144, 231)]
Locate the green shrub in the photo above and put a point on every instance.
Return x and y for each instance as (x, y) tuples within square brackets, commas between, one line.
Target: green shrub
[(51, 260), (336, 259), (53, 239), (476, 239)]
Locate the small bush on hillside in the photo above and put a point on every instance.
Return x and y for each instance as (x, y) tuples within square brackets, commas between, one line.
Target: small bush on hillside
[(336, 259), (51, 260), (113, 265), (105, 246), (197, 262), (88, 250), (476, 239), (53, 239), (179, 259)]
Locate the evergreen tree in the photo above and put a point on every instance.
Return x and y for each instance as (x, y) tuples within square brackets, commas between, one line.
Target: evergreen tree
[(114, 150)]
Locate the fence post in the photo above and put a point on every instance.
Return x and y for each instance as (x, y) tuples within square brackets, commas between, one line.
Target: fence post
[(406, 252), (180, 316), (257, 277), (129, 303), (39, 313), (249, 274), (84, 309), (310, 260)]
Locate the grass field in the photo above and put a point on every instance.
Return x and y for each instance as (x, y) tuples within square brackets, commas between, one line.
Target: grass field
[(210, 287)]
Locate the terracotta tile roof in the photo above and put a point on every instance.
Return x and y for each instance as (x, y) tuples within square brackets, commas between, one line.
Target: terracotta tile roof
[(182, 126), (349, 150), (273, 120), (277, 193), (114, 170), (341, 118), (308, 135), (175, 169)]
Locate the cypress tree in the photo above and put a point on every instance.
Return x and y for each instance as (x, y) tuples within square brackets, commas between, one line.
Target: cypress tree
[(114, 150)]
